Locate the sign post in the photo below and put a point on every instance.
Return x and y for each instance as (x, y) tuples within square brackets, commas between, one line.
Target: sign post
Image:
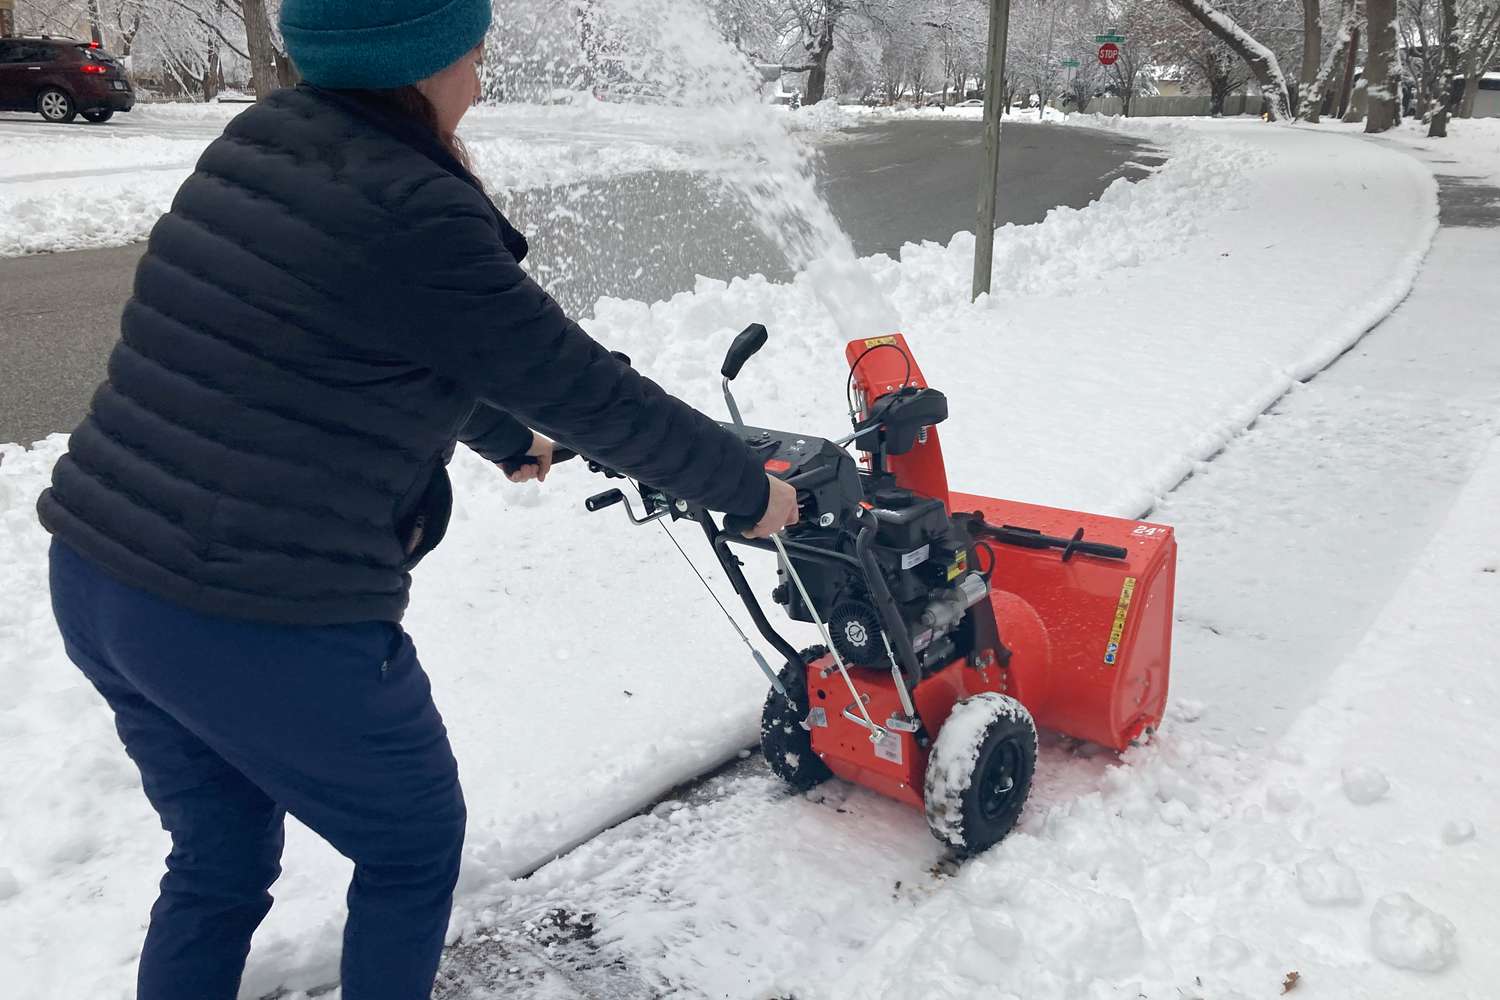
[(1109, 47), (989, 181)]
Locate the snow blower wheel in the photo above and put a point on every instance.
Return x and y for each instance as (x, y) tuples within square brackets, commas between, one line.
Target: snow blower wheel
[(980, 772), (786, 745)]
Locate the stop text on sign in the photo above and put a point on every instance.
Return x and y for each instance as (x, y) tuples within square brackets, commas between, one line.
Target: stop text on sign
[(1109, 54)]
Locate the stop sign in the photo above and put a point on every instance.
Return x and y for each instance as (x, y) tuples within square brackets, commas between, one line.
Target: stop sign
[(1109, 54)]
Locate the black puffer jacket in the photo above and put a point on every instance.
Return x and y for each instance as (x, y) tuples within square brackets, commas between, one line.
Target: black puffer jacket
[(330, 304)]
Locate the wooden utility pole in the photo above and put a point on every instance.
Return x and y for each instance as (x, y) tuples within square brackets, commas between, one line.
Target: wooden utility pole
[(7, 18), (989, 181)]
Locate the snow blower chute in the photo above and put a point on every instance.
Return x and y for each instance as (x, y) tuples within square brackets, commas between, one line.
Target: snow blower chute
[(954, 625)]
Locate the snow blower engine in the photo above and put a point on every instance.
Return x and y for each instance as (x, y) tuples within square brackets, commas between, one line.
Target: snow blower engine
[(953, 625)]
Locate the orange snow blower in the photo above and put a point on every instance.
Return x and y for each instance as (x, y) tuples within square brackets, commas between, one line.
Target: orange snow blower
[(954, 625)]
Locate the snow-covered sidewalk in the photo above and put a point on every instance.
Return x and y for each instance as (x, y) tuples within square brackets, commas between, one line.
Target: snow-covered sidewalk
[(582, 672)]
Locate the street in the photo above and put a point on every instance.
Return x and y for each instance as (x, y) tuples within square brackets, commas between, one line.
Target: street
[(642, 236)]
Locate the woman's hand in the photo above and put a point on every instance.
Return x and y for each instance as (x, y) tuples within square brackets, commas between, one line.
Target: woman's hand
[(781, 510), (541, 450)]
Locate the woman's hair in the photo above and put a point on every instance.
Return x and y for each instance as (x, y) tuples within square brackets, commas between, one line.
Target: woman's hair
[(410, 103)]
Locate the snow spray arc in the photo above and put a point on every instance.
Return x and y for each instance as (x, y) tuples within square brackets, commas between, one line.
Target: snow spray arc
[(664, 70)]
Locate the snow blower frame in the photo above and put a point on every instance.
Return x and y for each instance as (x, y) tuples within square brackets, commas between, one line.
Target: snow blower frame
[(954, 625)]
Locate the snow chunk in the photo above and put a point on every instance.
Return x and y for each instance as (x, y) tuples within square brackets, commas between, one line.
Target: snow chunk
[(1364, 785), (8, 884), (1456, 831), (1408, 935), (1325, 880), (999, 932), (1283, 798)]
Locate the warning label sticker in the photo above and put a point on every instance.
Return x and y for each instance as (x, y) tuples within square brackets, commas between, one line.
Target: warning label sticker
[(1122, 612), (890, 747)]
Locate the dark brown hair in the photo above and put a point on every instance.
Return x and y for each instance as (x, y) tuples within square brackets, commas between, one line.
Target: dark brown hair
[(410, 103)]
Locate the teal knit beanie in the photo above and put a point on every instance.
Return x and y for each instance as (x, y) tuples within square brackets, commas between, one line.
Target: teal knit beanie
[(379, 44)]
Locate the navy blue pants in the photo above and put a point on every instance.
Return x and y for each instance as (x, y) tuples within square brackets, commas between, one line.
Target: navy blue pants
[(234, 724)]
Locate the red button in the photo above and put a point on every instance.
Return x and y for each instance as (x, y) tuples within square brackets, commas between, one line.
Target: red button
[(777, 465)]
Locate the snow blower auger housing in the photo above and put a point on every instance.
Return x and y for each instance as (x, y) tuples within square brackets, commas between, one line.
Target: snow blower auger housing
[(955, 625)]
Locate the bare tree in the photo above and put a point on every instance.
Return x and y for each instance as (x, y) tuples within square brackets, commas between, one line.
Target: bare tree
[(1483, 45), (818, 22), (959, 27), (262, 48), (1345, 104), (1312, 53), (1035, 31), (1311, 98), (1449, 28), (1382, 68), (1261, 60)]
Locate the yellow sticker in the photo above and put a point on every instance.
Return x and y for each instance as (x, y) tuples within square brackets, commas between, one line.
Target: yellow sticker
[(1122, 611), (960, 564), (877, 341)]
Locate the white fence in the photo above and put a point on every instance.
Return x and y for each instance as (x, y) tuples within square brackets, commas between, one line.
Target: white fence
[(1486, 105)]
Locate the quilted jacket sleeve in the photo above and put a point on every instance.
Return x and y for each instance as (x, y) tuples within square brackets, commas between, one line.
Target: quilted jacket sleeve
[(495, 434), (458, 303)]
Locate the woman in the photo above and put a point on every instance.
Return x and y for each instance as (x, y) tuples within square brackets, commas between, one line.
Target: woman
[(330, 305)]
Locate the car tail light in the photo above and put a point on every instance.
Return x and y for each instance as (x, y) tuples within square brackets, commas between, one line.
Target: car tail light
[(93, 45), (94, 68)]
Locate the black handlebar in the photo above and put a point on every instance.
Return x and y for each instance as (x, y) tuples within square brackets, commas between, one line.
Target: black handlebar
[(559, 455), (600, 501), (750, 340), (735, 524)]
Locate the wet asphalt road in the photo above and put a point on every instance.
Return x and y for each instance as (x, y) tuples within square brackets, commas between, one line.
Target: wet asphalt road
[(887, 184)]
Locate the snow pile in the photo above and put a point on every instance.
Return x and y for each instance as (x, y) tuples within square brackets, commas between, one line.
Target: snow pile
[(582, 672), (825, 117), (906, 112), (26, 159), (69, 189)]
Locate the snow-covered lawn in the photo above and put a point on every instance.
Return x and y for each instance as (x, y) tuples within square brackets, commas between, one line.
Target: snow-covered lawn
[(582, 672)]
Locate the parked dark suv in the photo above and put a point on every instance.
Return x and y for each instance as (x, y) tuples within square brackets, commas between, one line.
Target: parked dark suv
[(60, 79)]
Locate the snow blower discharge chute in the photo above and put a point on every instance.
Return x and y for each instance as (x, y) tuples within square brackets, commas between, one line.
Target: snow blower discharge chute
[(954, 625)]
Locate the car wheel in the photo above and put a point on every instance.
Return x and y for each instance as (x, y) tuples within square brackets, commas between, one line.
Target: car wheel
[(101, 116), (56, 106)]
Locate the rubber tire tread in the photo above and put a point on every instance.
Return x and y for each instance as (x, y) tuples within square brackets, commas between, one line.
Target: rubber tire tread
[(786, 745), (953, 812)]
